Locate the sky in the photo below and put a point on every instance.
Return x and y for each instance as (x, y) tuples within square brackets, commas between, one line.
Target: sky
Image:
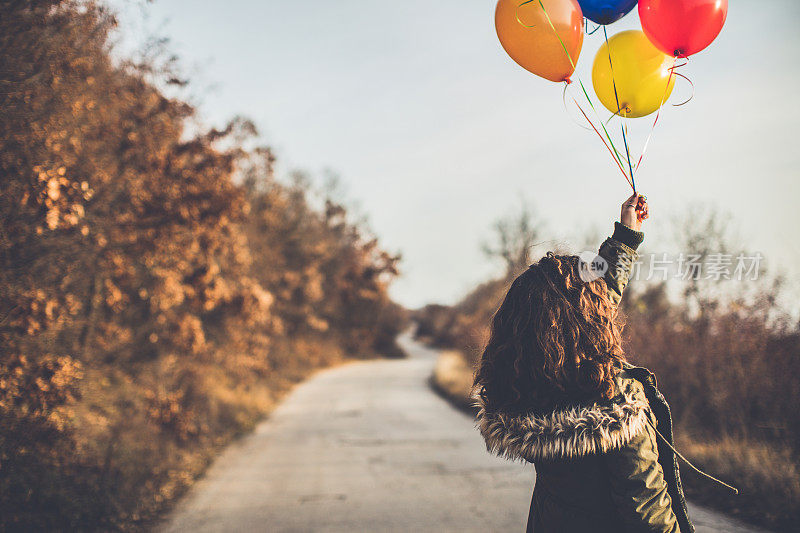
[(436, 132)]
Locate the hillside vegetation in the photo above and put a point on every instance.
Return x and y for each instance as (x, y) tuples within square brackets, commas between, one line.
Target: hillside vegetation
[(159, 287)]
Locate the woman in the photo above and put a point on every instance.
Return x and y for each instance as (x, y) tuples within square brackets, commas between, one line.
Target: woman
[(554, 389)]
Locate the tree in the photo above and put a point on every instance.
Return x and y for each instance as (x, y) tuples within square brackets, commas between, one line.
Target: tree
[(515, 237)]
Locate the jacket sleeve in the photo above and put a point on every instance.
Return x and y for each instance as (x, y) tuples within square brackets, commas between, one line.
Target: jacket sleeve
[(638, 489), (619, 251)]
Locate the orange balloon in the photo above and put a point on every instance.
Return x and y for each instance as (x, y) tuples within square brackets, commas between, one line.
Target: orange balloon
[(526, 35)]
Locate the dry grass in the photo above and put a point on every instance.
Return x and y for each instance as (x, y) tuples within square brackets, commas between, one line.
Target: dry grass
[(452, 377), (766, 475)]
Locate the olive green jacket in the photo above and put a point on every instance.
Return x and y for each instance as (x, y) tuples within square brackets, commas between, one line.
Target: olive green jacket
[(600, 467)]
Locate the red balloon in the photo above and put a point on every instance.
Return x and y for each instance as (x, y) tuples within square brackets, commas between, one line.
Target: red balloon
[(682, 28)]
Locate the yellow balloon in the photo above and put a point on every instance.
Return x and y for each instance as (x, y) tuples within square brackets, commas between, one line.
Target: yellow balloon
[(640, 71)]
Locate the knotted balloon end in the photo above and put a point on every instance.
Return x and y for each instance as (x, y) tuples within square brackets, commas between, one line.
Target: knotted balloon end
[(567, 80)]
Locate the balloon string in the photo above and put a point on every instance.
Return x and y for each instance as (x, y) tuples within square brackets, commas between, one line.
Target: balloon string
[(690, 83), (586, 25), (616, 159), (610, 144), (566, 109), (628, 155), (658, 114), (615, 154), (613, 79), (619, 108)]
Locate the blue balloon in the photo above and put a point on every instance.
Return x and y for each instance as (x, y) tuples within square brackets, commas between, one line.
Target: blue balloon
[(606, 11)]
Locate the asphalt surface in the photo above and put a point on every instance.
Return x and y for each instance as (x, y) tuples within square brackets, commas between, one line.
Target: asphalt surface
[(368, 446)]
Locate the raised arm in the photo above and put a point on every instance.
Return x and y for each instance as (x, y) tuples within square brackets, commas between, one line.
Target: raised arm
[(619, 250)]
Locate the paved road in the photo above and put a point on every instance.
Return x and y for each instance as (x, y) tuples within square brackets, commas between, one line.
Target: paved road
[(368, 447)]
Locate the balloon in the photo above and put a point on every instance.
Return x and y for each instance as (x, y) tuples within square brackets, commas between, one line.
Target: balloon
[(640, 72), (682, 28), (606, 11), (531, 41)]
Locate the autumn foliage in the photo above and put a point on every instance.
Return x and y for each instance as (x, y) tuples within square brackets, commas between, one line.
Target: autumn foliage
[(159, 286)]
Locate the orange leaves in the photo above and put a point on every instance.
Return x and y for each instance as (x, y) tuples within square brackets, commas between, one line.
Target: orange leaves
[(168, 262), (255, 303), (61, 197), (189, 335), (52, 190), (167, 410), (168, 292), (114, 297), (37, 386), (33, 310), (52, 218)]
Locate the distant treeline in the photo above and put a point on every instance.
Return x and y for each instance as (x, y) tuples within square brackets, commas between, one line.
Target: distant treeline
[(159, 287), (727, 360)]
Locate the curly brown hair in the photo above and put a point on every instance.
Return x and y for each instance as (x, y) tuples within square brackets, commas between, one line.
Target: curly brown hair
[(555, 339)]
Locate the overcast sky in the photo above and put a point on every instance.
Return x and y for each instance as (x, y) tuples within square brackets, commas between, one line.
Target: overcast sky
[(436, 132)]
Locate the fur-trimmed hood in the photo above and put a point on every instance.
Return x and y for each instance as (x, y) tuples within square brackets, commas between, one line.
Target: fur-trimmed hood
[(568, 433)]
